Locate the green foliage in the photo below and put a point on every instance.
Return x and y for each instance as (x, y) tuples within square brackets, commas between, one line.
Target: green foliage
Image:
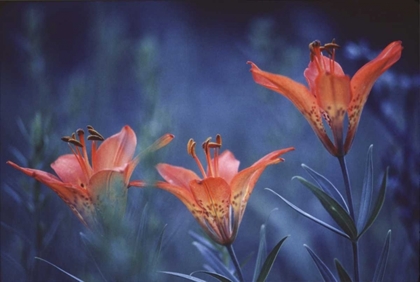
[(340, 216), (378, 205), (268, 264), (322, 267), (381, 265), (342, 273)]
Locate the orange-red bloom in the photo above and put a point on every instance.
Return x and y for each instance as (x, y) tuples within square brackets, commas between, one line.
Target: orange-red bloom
[(100, 187), (217, 200), (331, 93)]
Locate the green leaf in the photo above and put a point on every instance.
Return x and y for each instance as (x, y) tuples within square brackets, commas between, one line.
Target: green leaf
[(185, 276), (378, 205), (270, 260), (311, 217), (326, 185), (381, 266), (340, 216), (342, 273), (322, 268), (214, 261), (215, 275), (262, 253), (65, 272), (367, 191)]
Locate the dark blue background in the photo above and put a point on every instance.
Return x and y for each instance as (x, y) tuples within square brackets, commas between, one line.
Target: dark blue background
[(179, 67)]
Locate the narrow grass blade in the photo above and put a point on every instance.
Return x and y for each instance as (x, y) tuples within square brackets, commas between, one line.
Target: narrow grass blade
[(158, 249), (262, 253), (215, 275), (311, 217), (326, 185), (342, 273), (367, 191), (340, 216), (378, 205), (381, 266), (268, 264), (65, 272), (185, 276), (202, 240), (214, 261), (322, 268)]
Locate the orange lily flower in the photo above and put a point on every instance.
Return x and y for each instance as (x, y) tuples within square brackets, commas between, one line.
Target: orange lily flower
[(217, 200), (99, 188), (331, 93)]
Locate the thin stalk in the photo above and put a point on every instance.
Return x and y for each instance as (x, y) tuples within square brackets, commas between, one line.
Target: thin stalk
[(347, 184), (356, 261), (351, 209), (235, 262)]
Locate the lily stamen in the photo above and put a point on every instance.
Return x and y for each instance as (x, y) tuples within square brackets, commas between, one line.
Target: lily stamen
[(191, 151), (207, 146)]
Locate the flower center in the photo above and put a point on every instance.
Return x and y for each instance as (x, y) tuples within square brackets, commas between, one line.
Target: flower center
[(78, 147), (315, 54), (212, 166)]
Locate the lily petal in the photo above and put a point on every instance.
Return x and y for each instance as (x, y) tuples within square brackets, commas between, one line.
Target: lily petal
[(300, 96), (176, 175), (69, 170), (312, 72), (362, 83), (109, 194), (182, 193), (243, 183), (213, 196), (333, 95), (228, 166), (116, 150), (78, 200)]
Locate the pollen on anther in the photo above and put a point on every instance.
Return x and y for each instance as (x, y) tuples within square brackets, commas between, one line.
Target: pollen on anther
[(75, 142)]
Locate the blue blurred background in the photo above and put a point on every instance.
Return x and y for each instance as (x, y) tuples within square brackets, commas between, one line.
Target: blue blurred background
[(180, 67)]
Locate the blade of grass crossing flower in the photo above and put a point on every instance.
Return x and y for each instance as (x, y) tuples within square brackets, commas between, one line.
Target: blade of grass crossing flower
[(158, 249), (326, 185), (185, 276), (140, 237), (342, 273), (311, 217), (340, 216), (268, 264), (378, 205), (381, 266), (65, 272), (202, 240), (215, 275), (367, 191), (214, 261), (322, 267), (262, 253), (88, 243)]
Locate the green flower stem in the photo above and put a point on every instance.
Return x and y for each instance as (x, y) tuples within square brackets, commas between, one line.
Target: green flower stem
[(347, 184), (235, 262), (356, 261), (350, 204)]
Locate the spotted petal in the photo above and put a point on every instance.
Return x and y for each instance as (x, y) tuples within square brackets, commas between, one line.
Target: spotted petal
[(243, 183), (78, 200), (362, 82), (213, 196), (300, 96)]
